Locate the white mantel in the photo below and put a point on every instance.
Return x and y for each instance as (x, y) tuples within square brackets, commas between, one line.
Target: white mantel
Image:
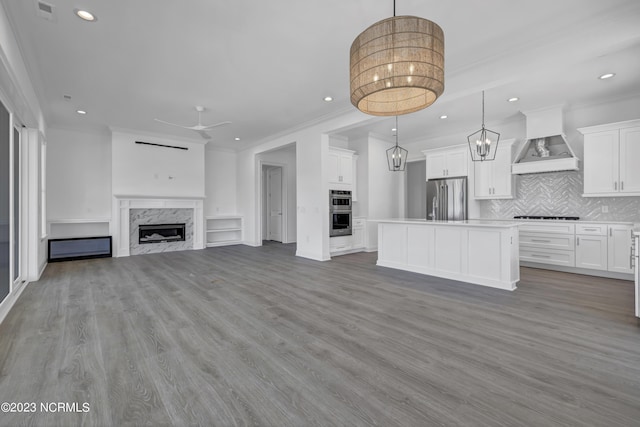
[(124, 203)]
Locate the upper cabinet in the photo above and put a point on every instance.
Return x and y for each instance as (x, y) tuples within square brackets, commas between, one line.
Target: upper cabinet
[(611, 156), (342, 169), (493, 179), (340, 166), (447, 162)]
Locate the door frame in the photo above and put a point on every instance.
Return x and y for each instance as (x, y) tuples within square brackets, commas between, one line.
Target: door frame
[(263, 199), (15, 127)]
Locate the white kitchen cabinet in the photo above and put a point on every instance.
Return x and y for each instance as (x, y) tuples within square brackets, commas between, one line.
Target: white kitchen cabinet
[(493, 179), (591, 252), (358, 241), (447, 162), (546, 242), (611, 156), (619, 248), (340, 166)]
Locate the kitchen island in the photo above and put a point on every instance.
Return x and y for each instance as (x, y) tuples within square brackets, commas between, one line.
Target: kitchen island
[(481, 252)]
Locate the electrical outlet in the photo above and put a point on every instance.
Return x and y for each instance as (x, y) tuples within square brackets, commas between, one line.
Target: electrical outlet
[(605, 209)]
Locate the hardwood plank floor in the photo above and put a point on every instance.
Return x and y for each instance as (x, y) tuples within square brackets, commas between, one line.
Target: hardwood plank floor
[(256, 336)]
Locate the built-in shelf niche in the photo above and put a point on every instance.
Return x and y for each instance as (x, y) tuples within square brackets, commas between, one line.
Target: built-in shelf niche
[(223, 230), (69, 228)]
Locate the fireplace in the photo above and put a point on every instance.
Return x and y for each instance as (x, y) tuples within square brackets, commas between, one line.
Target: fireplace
[(161, 233)]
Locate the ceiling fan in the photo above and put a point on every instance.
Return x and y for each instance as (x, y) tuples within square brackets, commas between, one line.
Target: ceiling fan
[(200, 128)]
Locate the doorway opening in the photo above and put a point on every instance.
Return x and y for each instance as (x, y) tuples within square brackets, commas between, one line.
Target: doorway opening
[(273, 206)]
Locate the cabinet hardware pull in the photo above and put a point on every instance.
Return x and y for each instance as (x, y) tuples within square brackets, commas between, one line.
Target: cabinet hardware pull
[(541, 241), (611, 232), (577, 241), (615, 185), (540, 256), (621, 185), (590, 229)]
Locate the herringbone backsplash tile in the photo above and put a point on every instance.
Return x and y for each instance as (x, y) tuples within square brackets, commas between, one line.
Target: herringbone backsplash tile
[(560, 193)]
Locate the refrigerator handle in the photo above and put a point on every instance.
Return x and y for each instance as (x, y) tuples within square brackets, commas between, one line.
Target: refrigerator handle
[(446, 202)]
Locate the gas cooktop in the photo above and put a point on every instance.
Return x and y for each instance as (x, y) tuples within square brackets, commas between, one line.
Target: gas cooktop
[(557, 218)]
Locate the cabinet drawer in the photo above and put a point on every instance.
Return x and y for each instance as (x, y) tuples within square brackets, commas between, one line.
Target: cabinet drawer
[(547, 241), (548, 256), (592, 229), (546, 227)]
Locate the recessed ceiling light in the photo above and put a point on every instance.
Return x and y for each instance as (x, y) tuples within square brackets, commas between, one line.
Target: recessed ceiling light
[(87, 16), (81, 112), (606, 76), (237, 139), (514, 99), (444, 116), (393, 129), (328, 98)]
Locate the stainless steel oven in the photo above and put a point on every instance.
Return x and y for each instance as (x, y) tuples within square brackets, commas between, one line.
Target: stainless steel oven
[(339, 213)]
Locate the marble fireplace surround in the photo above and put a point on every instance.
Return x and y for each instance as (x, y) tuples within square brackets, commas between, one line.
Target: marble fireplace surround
[(123, 204)]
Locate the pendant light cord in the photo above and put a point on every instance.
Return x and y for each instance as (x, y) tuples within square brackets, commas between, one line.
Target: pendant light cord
[(394, 8), (483, 109), (396, 129)]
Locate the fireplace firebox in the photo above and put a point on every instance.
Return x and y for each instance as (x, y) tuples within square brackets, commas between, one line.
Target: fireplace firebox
[(161, 233)]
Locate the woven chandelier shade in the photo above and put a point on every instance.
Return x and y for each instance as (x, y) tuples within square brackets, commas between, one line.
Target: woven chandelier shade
[(397, 66)]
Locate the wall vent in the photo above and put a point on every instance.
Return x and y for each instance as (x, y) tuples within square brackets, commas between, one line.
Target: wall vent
[(45, 10)]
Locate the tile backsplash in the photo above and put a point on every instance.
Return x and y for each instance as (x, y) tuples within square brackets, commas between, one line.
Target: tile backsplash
[(560, 194)]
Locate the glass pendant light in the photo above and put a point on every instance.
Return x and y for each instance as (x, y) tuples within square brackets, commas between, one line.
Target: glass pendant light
[(483, 144), (396, 155)]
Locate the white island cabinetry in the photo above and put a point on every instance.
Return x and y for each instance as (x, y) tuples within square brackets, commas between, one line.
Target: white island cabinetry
[(474, 251)]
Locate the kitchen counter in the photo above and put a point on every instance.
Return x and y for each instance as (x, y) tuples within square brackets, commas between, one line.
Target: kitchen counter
[(482, 252), (555, 221), (468, 222)]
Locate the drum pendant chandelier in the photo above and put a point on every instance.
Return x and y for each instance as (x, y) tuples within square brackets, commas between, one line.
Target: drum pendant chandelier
[(397, 66)]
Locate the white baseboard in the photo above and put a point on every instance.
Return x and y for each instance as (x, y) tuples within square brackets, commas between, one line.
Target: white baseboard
[(10, 300), (312, 256)]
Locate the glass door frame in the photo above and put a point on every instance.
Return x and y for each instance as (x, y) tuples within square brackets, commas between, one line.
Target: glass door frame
[(15, 224)]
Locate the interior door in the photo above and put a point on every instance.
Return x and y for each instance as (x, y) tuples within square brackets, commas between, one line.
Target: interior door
[(274, 203)]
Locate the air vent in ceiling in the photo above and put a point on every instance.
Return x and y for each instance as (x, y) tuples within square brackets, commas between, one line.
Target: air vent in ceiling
[(45, 10)]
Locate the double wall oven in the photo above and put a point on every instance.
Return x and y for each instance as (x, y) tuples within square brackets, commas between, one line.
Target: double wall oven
[(339, 213)]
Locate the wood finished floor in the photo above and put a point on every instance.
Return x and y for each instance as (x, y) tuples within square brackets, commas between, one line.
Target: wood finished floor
[(255, 336)]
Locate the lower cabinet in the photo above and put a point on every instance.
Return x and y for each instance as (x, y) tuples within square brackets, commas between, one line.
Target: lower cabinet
[(341, 245), (358, 233), (619, 256), (591, 246), (591, 252)]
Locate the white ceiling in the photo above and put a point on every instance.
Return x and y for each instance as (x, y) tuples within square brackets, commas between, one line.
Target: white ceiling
[(267, 65)]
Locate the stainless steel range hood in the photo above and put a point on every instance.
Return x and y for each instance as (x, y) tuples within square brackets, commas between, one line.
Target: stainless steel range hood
[(546, 148)]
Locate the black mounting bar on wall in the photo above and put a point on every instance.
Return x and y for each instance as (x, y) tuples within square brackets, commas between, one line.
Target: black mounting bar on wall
[(162, 145)]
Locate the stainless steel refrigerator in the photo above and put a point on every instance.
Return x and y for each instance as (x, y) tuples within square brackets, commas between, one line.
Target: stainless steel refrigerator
[(447, 199)]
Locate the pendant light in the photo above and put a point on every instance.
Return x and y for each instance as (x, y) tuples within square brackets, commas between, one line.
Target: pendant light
[(397, 66), (396, 155), (483, 144)]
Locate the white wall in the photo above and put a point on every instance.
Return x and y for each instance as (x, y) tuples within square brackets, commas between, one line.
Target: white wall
[(287, 159), (361, 147), (78, 175), (220, 183), (386, 189), (145, 170)]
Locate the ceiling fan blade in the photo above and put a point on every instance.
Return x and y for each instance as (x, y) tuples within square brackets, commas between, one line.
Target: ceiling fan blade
[(203, 134), (216, 125), (171, 124)]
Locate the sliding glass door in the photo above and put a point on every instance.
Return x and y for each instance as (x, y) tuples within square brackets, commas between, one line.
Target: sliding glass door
[(5, 183), (16, 205)]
